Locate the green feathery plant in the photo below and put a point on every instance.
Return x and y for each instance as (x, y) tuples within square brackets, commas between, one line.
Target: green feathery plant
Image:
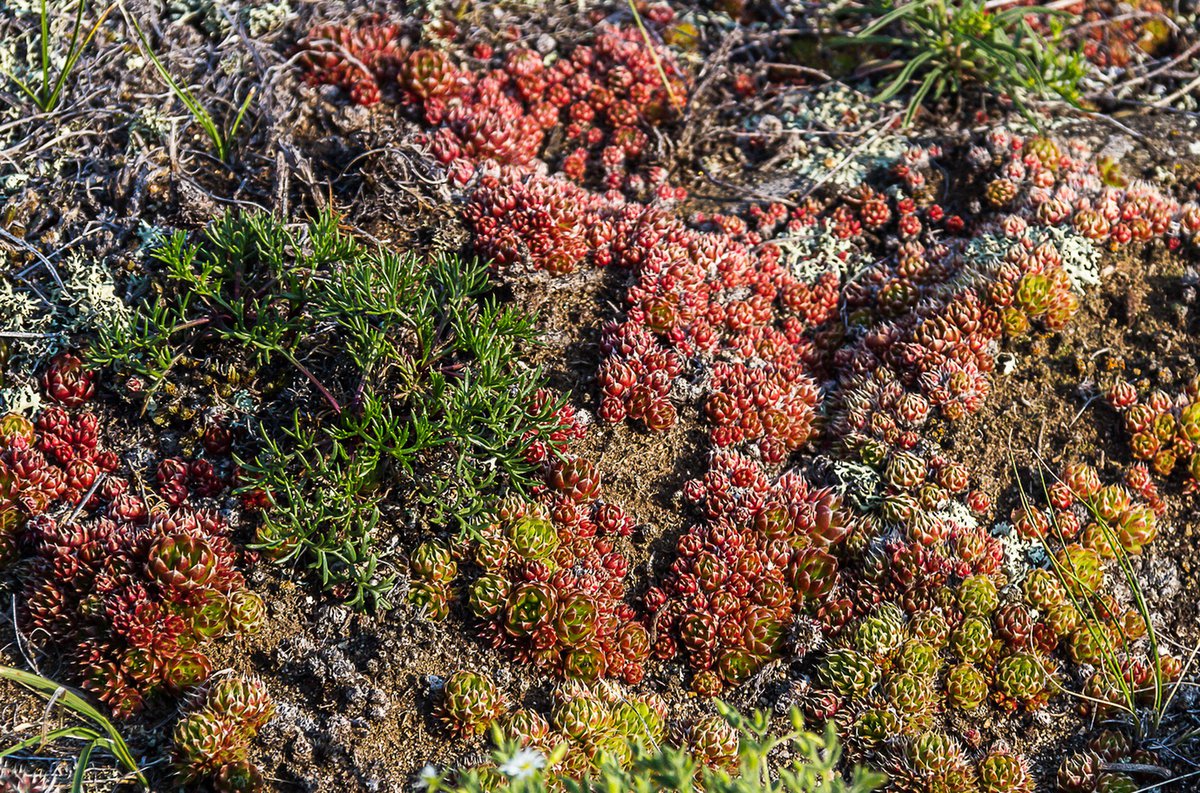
[(814, 766), (220, 136), (45, 90), (99, 733), (948, 45), (427, 412)]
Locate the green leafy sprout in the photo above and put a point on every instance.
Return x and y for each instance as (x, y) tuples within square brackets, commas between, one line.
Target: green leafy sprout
[(221, 136), (97, 733)]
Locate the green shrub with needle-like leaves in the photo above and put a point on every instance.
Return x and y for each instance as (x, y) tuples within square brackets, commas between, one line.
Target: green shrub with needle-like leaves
[(404, 399)]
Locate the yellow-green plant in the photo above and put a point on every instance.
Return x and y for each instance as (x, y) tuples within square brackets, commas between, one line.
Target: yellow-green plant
[(814, 766)]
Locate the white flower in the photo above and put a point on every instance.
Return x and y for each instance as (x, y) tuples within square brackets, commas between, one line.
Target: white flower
[(427, 777), (523, 764)]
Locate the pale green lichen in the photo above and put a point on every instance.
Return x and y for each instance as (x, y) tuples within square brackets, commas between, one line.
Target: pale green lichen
[(206, 14), (1020, 555), (958, 513), (151, 123), (91, 294), (13, 182), (21, 55), (26, 330), (813, 250), (835, 136), (263, 18), (856, 483), (23, 8), (150, 236), (21, 398), (1080, 257), (36, 329)]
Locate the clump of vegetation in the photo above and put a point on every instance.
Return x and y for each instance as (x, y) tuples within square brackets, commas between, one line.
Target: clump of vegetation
[(801, 508), (421, 408), (1163, 428), (220, 135), (130, 591), (469, 703), (89, 726), (636, 766), (45, 80), (212, 742), (950, 47)]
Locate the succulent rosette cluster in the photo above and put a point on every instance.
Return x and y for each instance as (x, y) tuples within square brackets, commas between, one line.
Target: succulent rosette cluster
[(1062, 185), (861, 323), (601, 99), (1163, 428), (553, 579), (936, 761), (1099, 766), (129, 590), (1097, 519), (357, 60), (679, 308), (468, 703), (68, 381), (433, 569), (765, 554), (595, 721), (1111, 39), (949, 633), (546, 575), (212, 742), (894, 673)]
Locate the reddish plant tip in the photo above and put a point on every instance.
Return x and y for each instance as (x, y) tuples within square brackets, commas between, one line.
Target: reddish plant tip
[(68, 381)]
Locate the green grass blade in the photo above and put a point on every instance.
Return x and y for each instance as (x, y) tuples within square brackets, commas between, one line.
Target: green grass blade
[(915, 104), (74, 701), (198, 111), (25, 89), (81, 764), (62, 75), (905, 10), (75, 732), (843, 41), (44, 47), (75, 53), (900, 80), (237, 122)]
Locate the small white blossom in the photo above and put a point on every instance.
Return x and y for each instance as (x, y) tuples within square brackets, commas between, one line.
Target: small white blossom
[(426, 778), (523, 764)]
